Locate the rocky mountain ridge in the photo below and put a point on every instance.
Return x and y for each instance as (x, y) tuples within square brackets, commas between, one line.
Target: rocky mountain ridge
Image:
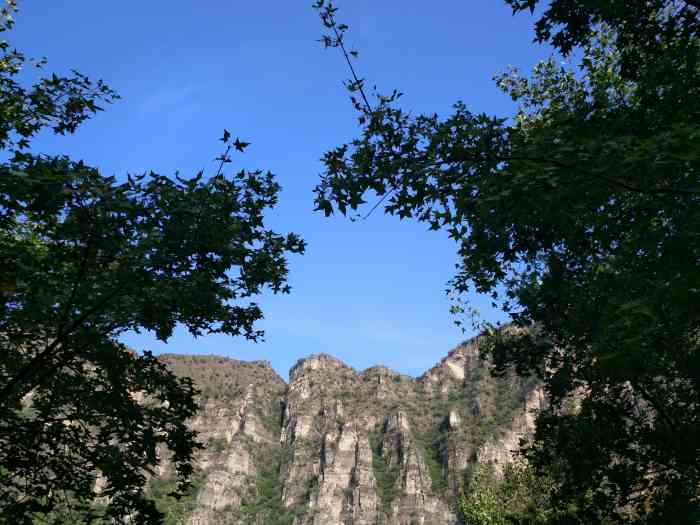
[(338, 446)]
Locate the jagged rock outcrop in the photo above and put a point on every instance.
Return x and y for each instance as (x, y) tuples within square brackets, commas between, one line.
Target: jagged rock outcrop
[(336, 446), (238, 422)]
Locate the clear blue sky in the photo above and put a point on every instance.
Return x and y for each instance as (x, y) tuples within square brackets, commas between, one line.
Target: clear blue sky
[(368, 292)]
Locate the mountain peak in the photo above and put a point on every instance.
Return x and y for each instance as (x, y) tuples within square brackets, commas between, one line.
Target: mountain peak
[(319, 361)]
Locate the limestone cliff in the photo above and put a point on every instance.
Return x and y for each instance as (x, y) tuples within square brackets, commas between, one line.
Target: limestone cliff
[(338, 446)]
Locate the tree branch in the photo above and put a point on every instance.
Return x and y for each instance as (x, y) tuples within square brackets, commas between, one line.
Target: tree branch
[(559, 164), (224, 158), (382, 199), (341, 44), (30, 369), (78, 279)]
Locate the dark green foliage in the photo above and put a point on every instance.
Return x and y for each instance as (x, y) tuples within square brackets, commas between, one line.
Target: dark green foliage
[(520, 496), (84, 259), (579, 215), (73, 511)]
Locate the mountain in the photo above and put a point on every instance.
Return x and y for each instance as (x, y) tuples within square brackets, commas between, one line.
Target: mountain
[(336, 446)]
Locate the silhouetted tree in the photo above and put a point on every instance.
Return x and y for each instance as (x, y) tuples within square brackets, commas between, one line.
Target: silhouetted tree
[(85, 258), (580, 216)]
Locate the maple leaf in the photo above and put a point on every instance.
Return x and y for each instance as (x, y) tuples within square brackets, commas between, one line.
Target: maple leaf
[(239, 145)]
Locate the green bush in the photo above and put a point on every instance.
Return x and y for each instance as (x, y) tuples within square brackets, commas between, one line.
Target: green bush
[(175, 510)]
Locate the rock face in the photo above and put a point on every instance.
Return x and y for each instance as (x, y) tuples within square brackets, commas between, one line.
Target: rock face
[(339, 447)]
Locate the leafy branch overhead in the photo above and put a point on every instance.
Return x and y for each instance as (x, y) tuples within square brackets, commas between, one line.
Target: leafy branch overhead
[(90, 258), (58, 103), (578, 215), (334, 38), (85, 258)]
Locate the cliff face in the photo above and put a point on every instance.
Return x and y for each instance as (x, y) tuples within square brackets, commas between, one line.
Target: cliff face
[(337, 446)]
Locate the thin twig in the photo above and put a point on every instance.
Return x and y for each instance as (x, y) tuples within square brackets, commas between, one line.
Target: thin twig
[(339, 39), (379, 202), (224, 158)]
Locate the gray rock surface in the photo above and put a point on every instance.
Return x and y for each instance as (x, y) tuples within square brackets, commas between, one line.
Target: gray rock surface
[(336, 446)]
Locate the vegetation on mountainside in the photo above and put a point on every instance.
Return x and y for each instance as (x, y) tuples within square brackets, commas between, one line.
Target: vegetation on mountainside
[(261, 500), (221, 379), (385, 473), (579, 215), (85, 258), (225, 385), (174, 511), (264, 503), (433, 445)]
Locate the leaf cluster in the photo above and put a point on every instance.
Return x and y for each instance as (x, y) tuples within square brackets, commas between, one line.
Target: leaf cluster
[(56, 102)]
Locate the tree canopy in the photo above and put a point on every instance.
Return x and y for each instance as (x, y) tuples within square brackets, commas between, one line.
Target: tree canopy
[(84, 258), (579, 216)]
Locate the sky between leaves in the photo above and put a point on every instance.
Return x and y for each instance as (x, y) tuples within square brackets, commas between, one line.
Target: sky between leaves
[(367, 292)]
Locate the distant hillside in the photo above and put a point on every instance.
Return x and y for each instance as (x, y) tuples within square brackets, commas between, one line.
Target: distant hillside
[(337, 446)]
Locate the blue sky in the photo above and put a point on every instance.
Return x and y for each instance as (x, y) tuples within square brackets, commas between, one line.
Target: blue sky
[(367, 292)]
